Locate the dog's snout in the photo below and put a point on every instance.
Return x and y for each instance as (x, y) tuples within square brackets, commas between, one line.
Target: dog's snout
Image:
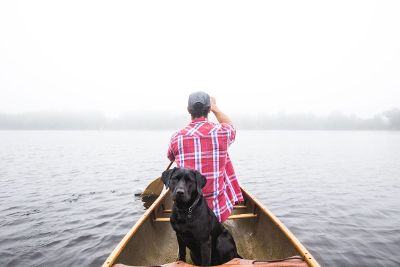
[(180, 191)]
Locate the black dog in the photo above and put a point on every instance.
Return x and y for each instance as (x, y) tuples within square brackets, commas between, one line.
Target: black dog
[(195, 224)]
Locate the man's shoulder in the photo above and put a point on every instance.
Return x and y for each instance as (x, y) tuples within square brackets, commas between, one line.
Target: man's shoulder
[(175, 135), (211, 127), (205, 129), (228, 126), (178, 133), (223, 127)]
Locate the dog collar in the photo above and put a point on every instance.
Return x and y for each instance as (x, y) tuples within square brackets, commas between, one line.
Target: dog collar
[(190, 209)]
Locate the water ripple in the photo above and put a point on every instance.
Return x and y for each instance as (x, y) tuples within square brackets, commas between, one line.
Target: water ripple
[(69, 203)]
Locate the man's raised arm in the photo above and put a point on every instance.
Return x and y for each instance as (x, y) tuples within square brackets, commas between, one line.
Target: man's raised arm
[(221, 117)]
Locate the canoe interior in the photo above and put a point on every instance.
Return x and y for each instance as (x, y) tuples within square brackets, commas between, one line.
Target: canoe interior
[(154, 242)]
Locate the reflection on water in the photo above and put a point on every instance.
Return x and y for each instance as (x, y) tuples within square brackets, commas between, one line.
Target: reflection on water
[(68, 197)]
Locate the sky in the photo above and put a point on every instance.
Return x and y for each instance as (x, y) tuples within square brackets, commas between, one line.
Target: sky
[(148, 56)]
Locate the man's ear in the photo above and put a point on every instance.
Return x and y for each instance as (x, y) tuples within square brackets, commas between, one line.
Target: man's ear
[(201, 181), (166, 176)]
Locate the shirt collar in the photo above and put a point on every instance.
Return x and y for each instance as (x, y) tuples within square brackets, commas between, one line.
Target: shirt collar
[(197, 120)]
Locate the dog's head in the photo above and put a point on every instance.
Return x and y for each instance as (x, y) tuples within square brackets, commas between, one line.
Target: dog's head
[(184, 184)]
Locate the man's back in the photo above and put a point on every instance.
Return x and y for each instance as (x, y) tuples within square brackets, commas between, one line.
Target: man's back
[(203, 146)]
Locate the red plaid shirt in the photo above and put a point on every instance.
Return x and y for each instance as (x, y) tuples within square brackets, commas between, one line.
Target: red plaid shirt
[(203, 146)]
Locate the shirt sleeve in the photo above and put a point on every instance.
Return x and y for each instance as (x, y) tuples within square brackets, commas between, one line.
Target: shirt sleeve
[(231, 131), (170, 153)]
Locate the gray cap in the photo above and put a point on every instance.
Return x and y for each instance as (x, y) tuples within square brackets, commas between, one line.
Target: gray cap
[(199, 97)]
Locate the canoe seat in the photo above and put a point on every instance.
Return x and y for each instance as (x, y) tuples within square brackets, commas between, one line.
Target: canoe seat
[(234, 207), (232, 217)]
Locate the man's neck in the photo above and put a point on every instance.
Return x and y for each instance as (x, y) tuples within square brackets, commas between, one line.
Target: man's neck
[(202, 117)]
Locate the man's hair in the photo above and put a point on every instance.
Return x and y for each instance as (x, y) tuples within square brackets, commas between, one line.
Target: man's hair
[(199, 110)]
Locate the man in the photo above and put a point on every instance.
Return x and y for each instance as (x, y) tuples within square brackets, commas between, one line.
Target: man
[(203, 146)]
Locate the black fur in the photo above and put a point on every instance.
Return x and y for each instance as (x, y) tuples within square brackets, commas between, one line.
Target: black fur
[(199, 230)]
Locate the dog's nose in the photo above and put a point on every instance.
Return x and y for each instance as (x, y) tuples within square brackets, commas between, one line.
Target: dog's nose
[(179, 191)]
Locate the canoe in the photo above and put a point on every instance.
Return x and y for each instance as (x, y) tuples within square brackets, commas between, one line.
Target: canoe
[(259, 235)]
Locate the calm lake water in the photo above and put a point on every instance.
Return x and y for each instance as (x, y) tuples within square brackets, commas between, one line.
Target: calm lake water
[(67, 197)]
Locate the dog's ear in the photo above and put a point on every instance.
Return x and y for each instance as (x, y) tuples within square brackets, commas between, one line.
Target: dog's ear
[(166, 176), (201, 181)]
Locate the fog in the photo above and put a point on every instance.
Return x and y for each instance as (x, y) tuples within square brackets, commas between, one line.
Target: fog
[(387, 120), (258, 57)]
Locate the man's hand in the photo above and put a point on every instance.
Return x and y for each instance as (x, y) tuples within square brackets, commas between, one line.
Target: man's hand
[(213, 104)]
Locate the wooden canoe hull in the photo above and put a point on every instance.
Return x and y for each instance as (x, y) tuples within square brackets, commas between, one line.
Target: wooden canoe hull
[(258, 234)]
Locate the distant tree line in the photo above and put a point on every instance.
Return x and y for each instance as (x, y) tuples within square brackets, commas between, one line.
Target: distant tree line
[(388, 120)]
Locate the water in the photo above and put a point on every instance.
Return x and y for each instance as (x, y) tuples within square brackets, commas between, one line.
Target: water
[(67, 197)]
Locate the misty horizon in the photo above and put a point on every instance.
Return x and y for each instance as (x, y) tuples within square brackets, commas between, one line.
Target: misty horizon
[(71, 120), (273, 56)]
